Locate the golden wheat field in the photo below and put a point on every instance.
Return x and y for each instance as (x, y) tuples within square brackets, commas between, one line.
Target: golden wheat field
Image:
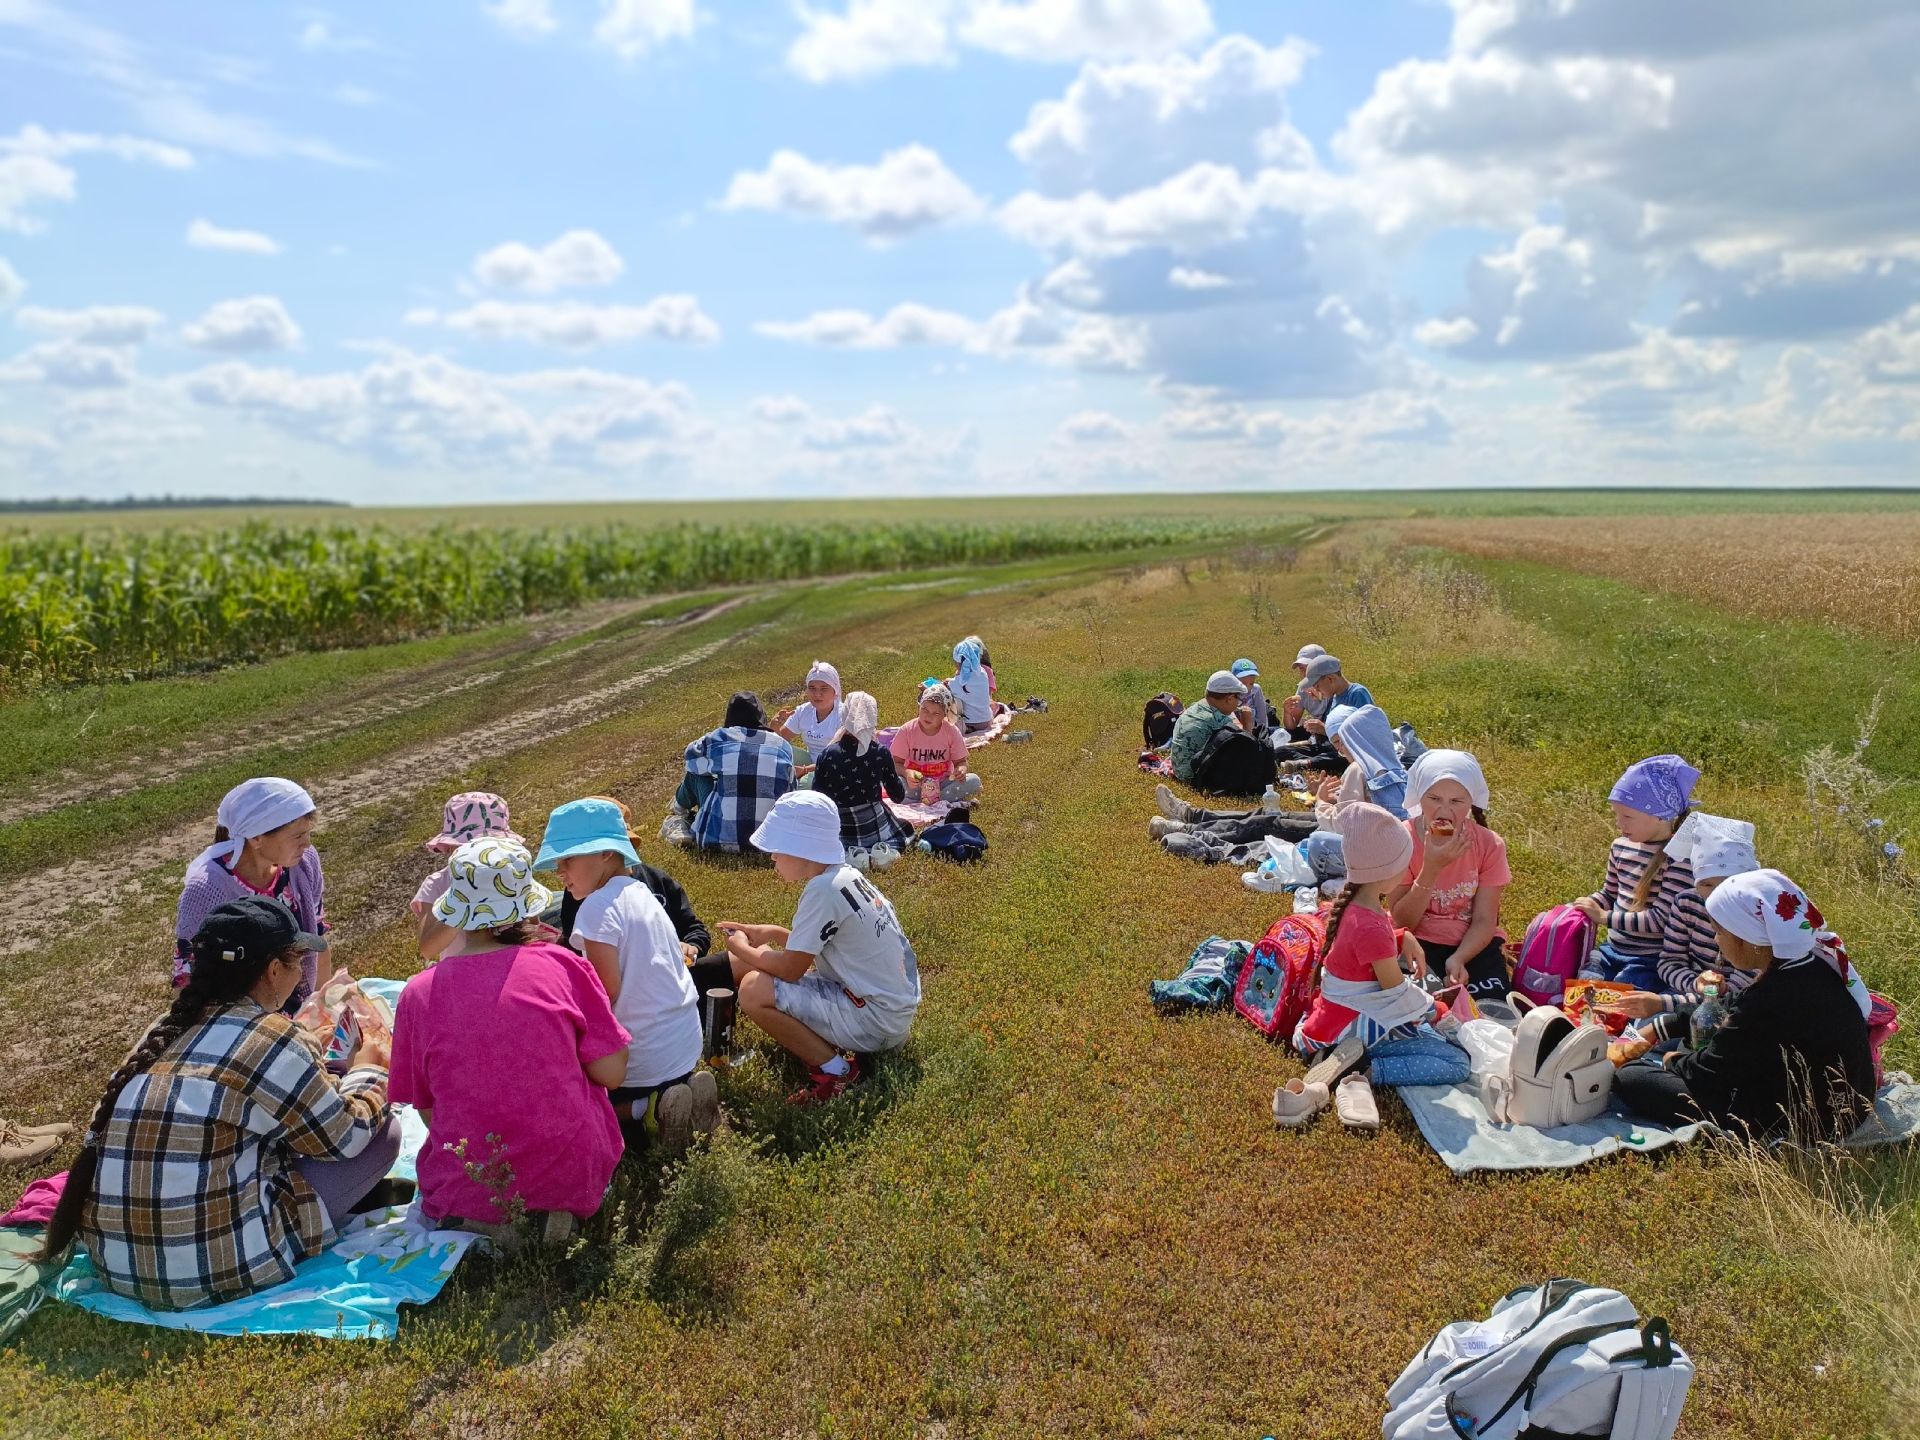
[(1861, 571)]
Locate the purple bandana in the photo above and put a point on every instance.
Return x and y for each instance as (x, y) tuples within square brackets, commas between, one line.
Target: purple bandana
[(1658, 786)]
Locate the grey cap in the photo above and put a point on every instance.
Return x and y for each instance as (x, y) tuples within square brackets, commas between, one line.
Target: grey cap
[(1221, 682), (1308, 654), (1322, 666)]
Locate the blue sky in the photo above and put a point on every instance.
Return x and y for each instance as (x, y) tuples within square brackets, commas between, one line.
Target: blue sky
[(490, 249)]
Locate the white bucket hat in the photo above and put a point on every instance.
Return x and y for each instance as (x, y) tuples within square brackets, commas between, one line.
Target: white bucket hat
[(804, 823), (491, 885)]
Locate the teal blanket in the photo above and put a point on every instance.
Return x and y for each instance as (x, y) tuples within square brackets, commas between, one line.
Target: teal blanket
[(352, 1290)]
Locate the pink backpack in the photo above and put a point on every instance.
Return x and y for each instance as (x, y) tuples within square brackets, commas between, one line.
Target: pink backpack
[(1557, 944), (1282, 975)]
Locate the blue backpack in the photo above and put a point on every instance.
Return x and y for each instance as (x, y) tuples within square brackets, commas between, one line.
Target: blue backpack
[(954, 842)]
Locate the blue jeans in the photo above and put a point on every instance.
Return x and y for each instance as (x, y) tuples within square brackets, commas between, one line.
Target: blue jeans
[(1607, 963)]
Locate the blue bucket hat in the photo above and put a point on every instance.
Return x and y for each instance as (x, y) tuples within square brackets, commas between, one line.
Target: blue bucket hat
[(584, 827), (1243, 668)]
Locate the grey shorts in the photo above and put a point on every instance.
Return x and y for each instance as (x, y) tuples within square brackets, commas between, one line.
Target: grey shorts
[(826, 1009)]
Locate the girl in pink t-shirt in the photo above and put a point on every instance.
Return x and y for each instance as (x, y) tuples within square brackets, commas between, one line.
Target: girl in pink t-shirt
[(1449, 896), (932, 747), (507, 1048)]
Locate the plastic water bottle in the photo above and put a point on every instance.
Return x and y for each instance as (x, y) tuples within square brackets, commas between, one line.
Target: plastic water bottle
[(1710, 1014), (1270, 801), (1018, 737)]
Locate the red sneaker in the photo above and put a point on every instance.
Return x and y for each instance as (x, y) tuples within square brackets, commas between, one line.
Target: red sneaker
[(822, 1087)]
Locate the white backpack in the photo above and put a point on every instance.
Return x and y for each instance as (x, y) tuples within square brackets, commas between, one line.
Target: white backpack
[(1561, 1359), (1558, 1074)]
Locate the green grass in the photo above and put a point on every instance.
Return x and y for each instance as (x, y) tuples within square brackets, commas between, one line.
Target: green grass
[(1054, 1213)]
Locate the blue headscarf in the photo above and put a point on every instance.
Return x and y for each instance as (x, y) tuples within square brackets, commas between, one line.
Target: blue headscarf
[(1368, 737), (1660, 786), (966, 655)]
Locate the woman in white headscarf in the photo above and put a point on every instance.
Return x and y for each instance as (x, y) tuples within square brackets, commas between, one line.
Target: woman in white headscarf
[(262, 845), (1792, 1056), (811, 728), (860, 776)]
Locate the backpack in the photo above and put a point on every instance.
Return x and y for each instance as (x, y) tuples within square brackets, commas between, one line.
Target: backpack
[(954, 842), (1232, 762), (1558, 1073), (1564, 1358), (1281, 977), (25, 1279), (1156, 726), (1557, 944)]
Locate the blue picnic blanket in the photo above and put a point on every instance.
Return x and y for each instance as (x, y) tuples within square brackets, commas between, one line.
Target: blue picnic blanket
[(352, 1290)]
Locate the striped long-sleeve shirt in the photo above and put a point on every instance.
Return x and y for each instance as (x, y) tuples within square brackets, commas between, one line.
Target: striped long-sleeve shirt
[(1642, 933)]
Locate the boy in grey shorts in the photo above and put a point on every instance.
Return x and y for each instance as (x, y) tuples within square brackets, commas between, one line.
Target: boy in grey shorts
[(842, 980)]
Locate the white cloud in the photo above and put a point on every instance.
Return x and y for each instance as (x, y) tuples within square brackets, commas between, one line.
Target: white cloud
[(95, 325), (12, 287), (906, 324), (1094, 427), (1190, 277), (318, 36), (571, 325), (631, 28), (577, 258), (1203, 207), (878, 428), (781, 410), (71, 366), (205, 235), (34, 172), (1640, 388), (869, 37), (256, 322), (1550, 293), (1121, 127), (1785, 294), (357, 96), (15, 440), (1446, 334), (1890, 353), (528, 19), (910, 189)]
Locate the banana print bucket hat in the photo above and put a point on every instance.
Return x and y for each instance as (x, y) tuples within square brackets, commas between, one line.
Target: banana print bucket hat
[(491, 885)]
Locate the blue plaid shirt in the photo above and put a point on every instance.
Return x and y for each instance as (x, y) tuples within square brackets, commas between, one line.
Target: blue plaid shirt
[(750, 769)]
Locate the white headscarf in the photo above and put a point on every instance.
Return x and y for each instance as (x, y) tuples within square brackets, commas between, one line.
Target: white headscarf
[(1433, 766), (251, 809), (860, 717), (1714, 846), (1764, 907), (823, 671)]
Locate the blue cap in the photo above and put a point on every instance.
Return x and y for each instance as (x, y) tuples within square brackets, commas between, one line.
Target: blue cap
[(584, 827), (1244, 668)]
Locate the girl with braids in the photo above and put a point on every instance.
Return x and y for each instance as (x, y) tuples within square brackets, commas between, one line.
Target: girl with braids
[(1639, 901), (222, 1153), (1363, 991)]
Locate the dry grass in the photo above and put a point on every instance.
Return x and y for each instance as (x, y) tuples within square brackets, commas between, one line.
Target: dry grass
[(1859, 571)]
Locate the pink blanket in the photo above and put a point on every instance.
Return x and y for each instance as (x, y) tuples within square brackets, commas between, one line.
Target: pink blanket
[(36, 1206)]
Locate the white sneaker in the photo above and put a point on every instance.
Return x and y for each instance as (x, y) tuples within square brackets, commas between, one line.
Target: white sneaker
[(1267, 882), (1159, 827), (675, 830), (881, 856), (1171, 805), (860, 859)]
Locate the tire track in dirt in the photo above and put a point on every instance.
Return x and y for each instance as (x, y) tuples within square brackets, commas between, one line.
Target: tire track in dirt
[(89, 892), (372, 704)]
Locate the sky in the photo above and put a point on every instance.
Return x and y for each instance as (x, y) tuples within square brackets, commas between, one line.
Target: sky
[(483, 250)]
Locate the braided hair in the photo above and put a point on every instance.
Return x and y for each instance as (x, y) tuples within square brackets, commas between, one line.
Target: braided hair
[(1340, 902), (216, 981), (1656, 867)]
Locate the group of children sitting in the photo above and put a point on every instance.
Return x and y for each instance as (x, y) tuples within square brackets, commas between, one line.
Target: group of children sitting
[(832, 744), (1411, 874)]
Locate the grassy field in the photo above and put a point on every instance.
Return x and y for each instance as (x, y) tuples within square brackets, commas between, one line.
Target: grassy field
[(1054, 1213)]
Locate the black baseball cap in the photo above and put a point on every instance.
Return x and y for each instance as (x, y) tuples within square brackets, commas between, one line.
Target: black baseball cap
[(253, 927)]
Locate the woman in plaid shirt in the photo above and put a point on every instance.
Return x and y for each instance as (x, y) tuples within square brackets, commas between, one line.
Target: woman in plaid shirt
[(223, 1153)]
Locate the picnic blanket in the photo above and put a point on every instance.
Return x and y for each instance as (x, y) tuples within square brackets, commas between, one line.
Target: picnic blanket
[(919, 815), (1455, 1122), (1002, 719), (351, 1290)]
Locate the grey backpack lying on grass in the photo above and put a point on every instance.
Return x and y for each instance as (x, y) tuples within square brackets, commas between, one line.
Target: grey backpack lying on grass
[(1560, 1359)]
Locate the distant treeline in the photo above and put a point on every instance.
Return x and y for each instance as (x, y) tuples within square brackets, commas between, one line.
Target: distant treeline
[(56, 505)]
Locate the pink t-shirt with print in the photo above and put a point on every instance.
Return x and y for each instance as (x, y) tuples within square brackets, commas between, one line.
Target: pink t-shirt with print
[(932, 755), (1450, 903), (497, 1044)]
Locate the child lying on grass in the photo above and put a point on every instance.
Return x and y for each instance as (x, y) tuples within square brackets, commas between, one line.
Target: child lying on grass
[(842, 981)]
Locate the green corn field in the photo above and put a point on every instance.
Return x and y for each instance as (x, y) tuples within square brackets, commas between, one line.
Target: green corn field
[(105, 605)]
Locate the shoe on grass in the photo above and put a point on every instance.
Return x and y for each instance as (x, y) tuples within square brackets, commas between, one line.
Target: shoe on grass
[(1353, 1102), (860, 858), (59, 1129), (1266, 882), (1338, 1061), (17, 1147), (1171, 805), (676, 1119), (1297, 1102), (881, 856), (705, 1093), (675, 830), (559, 1227), (1159, 827), (821, 1088)]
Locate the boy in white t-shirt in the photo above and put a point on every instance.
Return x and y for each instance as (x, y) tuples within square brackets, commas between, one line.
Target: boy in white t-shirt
[(632, 946), (841, 981)]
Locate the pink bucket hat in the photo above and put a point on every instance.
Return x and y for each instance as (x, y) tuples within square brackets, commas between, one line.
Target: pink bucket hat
[(470, 816), (1376, 842)]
